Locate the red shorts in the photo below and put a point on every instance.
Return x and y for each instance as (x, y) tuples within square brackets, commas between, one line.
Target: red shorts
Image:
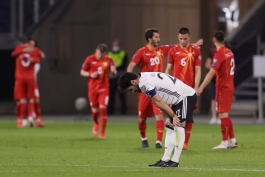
[(146, 107), (223, 101), (25, 88), (98, 97)]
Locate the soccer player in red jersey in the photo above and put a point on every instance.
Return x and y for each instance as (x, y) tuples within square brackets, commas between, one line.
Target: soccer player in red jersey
[(151, 58), (37, 54), (25, 89), (97, 68), (223, 67), (184, 63)]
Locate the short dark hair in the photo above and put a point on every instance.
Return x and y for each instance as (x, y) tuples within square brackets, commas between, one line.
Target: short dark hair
[(219, 36), (125, 81), (31, 39), (149, 33), (184, 31), (103, 48), (23, 39)]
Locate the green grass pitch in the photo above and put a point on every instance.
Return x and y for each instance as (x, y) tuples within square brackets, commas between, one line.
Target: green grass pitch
[(68, 148)]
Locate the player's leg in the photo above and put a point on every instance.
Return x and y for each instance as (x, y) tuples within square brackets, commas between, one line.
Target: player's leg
[(17, 108), (170, 141), (22, 97), (31, 95), (223, 105), (144, 110), (189, 123), (103, 103), (184, 111), (160, 124), (93, 99)]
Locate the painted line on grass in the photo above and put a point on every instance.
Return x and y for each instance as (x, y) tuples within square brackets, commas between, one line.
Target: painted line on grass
[(131, 170)]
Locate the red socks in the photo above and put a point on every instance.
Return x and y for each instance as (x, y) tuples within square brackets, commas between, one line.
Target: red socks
[(231, 129), (23, 110), (103, 119), (31, 109), (159, 130), (37, 111), (142, 128), (225, 127), (188, 129), (95, 117)]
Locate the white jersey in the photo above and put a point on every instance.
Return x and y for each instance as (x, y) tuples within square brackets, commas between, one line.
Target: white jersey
[(169, 88)]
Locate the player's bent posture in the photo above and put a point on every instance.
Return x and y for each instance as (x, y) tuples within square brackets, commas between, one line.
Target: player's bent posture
[(151, 58), (97, 67), (184, 63), (223, 67), (165, 90)]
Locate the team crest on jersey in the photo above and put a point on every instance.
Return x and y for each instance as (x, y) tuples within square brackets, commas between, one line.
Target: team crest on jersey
[(93, 62), (158, 53), (105, 64)]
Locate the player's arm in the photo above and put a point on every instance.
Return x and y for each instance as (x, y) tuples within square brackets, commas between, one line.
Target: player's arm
[(169, 69), (170, 63), (165, 108), (84, 73), (197, 77), (41, 54), (131, 67), (206, 81), (18, 51), (208, 63), (199, 43)]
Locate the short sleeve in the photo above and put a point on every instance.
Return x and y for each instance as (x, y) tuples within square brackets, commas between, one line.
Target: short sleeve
[(147, 88), (86, 65), (217, 61), (198, 59), (170, 56), (137, 56)]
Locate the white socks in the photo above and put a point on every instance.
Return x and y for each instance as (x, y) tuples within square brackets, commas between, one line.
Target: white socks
[(170, 142), (180, 138)]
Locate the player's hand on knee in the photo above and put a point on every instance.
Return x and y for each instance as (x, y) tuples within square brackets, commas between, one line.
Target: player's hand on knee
[(168, 121), (93, 75), (176, 121)]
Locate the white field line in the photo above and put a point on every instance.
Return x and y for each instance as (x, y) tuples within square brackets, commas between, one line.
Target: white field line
[(123, 168)]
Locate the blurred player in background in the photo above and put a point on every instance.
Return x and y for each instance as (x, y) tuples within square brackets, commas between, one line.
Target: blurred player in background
[(37, 54), (208, 63), (223, 67), (164, 90), (184, 63), (97, 68), (119, 58), (151, 58), (25, 86)]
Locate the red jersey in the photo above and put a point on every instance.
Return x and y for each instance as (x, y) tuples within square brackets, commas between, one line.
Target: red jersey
[(36, 54), (184, 61), (224, 64), (102, 67), (24, 67), (151, 60)]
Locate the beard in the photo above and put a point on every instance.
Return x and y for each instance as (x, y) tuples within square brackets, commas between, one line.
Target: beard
[(155, 44), (138, 89)]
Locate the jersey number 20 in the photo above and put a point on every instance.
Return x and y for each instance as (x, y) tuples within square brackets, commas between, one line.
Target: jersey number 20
[(232, 64), (154, 61)]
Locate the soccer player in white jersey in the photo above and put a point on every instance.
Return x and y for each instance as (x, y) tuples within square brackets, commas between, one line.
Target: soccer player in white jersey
[(165, 90)]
